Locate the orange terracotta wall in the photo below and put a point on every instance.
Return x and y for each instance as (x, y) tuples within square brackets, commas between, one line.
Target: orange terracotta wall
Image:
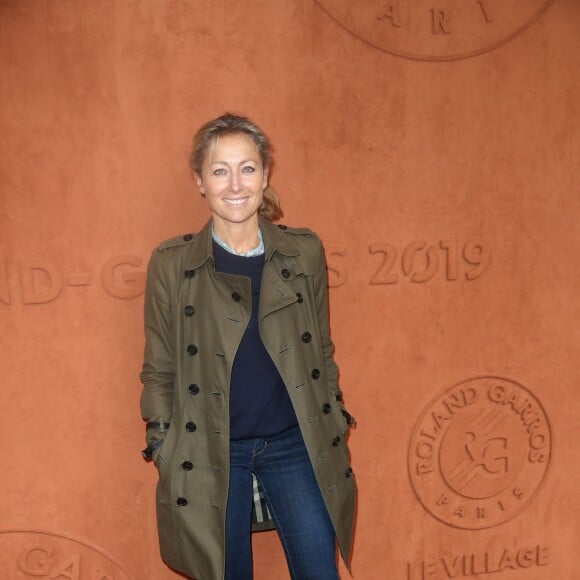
[(434, 146)]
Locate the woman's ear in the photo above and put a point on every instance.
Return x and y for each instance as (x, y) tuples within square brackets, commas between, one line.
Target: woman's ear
[(265, 180), (199, 182)]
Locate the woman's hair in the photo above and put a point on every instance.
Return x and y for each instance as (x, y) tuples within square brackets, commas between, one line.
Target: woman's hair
[(230, 124)]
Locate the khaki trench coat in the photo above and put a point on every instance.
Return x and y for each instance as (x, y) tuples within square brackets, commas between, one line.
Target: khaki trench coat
[(194, 321)]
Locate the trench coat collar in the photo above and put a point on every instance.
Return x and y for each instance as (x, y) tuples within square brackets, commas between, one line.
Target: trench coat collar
[(275, 240)]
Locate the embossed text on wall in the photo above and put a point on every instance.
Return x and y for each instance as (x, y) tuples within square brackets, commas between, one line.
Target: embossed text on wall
[(479, 452), (37, 554), (442, 30), (42, 280)]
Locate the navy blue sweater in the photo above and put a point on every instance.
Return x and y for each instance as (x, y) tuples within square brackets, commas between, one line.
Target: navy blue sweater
[(259, 402)]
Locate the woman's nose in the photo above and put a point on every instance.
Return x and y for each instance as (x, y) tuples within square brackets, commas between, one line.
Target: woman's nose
[(235, 181)]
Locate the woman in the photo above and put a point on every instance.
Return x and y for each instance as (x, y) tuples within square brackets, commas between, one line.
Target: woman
[(239, 384)]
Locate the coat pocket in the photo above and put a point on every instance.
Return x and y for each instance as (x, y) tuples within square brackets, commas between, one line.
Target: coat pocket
[(162, 454)]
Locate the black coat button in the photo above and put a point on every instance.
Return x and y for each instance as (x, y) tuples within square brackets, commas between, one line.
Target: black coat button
[(306, 337), (193, 389), (236, 297), (285, 273), (326, 408), (349, 472), (282, 227), (181, 501), (192, 349), (187, 238), (336, 441), (189, 311), (190, 426), (299, 296), (189, 273), (187, 465), (315, 374)]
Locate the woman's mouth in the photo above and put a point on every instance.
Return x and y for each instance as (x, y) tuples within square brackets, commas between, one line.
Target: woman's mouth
[(238, 201)]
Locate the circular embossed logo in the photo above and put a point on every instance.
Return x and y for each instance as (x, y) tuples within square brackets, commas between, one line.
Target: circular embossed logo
[(435, 29), (479, 452), (27, 554)]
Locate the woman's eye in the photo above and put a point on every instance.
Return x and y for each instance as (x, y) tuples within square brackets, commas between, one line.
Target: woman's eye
[(219, 171), (249, 169)]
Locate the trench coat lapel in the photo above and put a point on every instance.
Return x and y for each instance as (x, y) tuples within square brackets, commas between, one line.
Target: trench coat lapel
[(274, 292), (279, 253)]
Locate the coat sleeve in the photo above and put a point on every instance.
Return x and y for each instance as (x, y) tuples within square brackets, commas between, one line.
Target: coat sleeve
[(321, 296), (158, 374)]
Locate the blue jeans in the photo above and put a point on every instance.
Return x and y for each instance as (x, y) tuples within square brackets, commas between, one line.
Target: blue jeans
[(283, 470)]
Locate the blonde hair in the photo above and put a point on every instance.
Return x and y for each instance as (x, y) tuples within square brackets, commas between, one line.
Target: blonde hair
[(231, 124)]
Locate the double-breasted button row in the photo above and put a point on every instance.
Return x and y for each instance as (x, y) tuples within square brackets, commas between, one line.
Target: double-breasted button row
[(315, 374), (188, 237), (285, 273), (300, 299), (306, 337), (189, 310), (181, 502), (192, 350), (236, 297), (187, 465), (336, 441), (190, 426), (326, 408), (189, 273), (193, 389)]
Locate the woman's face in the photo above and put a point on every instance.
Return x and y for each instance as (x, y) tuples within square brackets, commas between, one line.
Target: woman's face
[(233, 180)]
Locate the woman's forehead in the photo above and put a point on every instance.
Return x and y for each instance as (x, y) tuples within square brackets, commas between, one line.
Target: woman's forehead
[(232, 147)]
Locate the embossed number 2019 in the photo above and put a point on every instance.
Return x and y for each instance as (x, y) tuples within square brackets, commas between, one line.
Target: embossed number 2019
[(421, 261)]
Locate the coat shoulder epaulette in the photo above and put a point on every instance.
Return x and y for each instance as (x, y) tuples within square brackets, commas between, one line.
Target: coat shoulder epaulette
[(296, 231), (175, 242)]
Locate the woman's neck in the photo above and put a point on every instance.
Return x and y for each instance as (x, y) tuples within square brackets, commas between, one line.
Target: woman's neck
[(241, 237)]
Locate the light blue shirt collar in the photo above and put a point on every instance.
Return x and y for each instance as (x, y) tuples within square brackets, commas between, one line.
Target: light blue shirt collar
[(257, 251)]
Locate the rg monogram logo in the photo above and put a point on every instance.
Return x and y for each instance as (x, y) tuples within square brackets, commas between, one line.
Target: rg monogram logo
[(479, 452)]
